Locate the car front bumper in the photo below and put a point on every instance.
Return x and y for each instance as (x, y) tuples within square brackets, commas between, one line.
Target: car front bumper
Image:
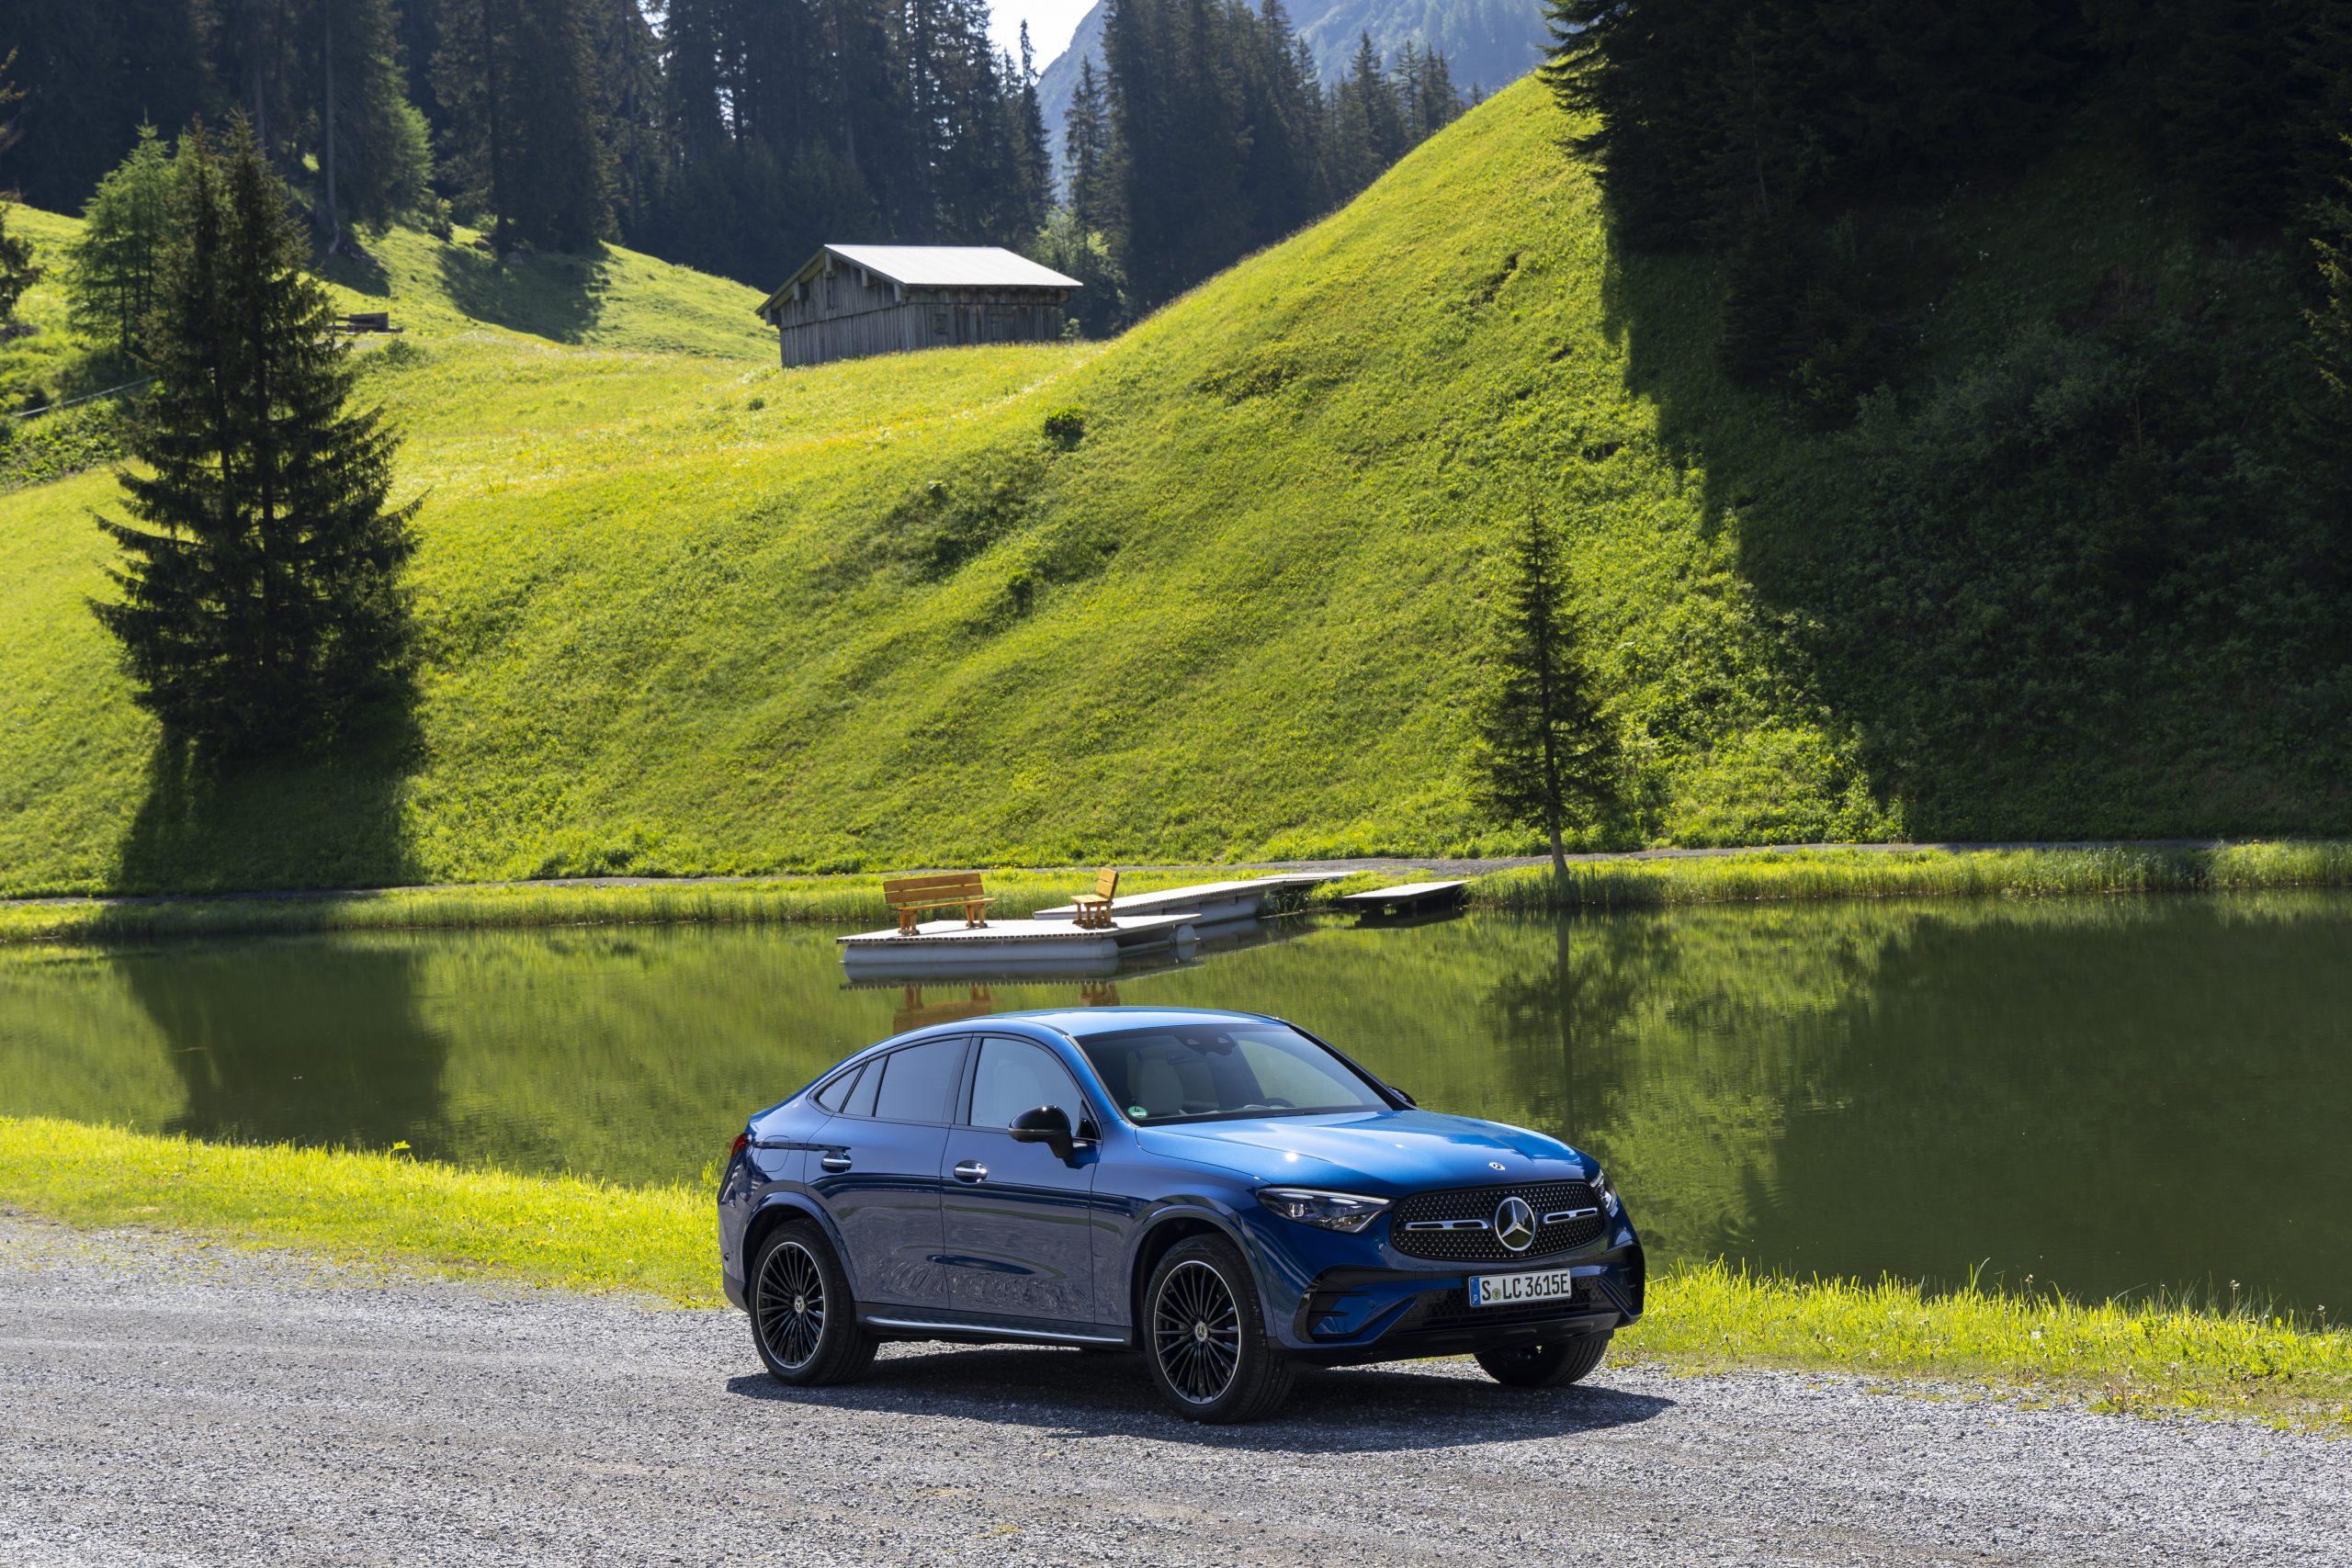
[(1352, 1316)]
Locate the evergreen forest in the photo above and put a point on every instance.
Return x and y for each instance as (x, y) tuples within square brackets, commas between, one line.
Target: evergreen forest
[(734, 136)]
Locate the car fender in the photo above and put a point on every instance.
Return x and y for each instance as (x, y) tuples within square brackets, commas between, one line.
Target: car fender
[(1158, 1213), (787, 1202)]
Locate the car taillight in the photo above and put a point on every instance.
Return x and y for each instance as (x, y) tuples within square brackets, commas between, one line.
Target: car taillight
[(743, 1141)]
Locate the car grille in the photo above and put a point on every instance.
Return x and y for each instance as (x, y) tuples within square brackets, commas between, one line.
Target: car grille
[(1480, 1203), (1453, 1310)]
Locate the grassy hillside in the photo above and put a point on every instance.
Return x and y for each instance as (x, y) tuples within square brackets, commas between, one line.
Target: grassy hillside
[(688, 612)]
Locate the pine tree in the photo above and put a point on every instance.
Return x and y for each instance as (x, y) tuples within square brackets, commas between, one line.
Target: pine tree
[(1383, 124), (260, 601), (370, 148), (518, 81), (2331, 321), (93, 72), (111, 268), (1033, 193), (1086, 153), (16, 270), (1547, 750)]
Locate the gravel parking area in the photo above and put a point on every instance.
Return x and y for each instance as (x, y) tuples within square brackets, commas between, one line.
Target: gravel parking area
[(162, 1402)]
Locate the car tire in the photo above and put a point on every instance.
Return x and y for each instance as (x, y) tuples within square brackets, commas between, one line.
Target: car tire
[(804, 1321), (1554, 1365), (1204, 1335)]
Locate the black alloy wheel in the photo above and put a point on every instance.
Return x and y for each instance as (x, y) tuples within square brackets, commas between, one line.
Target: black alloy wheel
[(1205, 1335), (1556, 1365), (803, 1321)]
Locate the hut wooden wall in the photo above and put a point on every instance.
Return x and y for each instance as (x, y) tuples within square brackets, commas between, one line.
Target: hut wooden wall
[(924, 318)]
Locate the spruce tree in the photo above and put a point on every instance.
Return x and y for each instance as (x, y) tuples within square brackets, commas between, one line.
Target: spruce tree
[(518, 81), (2330, 341), (369, 146), (1086, 153), (112, 266), (260, 603), (16, 270), (1546, 748)]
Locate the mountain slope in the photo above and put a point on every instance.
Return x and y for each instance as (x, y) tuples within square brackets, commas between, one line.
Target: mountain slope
[(693, 613), (1489, 44)]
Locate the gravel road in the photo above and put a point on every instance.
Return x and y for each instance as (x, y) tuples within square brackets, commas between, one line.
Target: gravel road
[(162, 1402)]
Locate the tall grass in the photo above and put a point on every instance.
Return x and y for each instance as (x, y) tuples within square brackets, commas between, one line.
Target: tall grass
[(764, 901), (1758, 876), (2227, 1357), (392, 1212), (1772, 874)]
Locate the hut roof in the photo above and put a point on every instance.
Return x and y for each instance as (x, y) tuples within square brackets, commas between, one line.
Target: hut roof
[(934, 266)]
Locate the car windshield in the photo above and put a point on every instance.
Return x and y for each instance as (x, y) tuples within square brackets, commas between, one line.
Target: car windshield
[(1194, 1072)]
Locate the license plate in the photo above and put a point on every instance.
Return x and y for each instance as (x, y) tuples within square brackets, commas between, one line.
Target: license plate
[(1517, 1290)]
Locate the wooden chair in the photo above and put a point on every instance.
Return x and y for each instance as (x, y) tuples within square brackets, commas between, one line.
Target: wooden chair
[(1094, 908), (909, 896)]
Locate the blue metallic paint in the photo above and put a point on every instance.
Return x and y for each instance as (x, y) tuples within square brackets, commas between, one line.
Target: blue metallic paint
[(959, 1267)]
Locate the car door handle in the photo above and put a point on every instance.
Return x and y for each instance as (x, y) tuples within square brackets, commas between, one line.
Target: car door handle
[(836, 1163), (971, 1170)]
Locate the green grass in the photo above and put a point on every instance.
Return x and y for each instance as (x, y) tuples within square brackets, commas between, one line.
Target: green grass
[(384, 1208), (1751, 876), (760, 901), (687, 613), (394, 1213), (1769, 874)]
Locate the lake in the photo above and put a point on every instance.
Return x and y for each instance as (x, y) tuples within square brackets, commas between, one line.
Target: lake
[(2109, 1095)]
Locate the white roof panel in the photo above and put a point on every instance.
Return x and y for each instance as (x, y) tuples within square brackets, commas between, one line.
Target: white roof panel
[(952, 266)]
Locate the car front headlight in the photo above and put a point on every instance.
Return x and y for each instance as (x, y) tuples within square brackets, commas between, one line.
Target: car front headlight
[(1347, 1211), (1607, 1194)]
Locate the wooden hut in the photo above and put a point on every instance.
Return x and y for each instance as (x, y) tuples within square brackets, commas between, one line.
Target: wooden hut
[(847, 301)]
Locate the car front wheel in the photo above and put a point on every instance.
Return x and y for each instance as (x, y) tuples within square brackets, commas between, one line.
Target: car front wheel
[(1204, 1336), (803, 1320), (1556, 1365)]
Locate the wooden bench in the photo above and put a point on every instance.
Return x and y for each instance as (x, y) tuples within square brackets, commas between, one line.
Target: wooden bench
[(907, 895), (1094, 908)]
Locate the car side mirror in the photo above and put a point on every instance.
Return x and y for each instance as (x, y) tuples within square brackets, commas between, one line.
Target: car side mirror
[(1049, 1125), (1403, 1096)]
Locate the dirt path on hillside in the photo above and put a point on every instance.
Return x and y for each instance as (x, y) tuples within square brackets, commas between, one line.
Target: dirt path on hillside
[(165, 1402)]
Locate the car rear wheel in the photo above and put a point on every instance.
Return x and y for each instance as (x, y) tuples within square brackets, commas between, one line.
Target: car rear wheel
[(803, 1320), (1205, 1337), (1556, 1365)]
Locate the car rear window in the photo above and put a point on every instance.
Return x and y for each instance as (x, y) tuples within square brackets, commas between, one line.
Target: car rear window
[(1199, 1072), (918, 1082), (834, 1095)]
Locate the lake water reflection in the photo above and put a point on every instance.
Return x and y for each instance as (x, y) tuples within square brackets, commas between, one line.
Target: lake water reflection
[(2109, 1095)]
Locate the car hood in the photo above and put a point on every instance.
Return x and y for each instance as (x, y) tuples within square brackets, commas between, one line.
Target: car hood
[(1382, 1153)]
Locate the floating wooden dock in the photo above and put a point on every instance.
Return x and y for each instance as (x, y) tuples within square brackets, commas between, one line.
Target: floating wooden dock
[(1012, 948), (1206, 904), (1406, 899)]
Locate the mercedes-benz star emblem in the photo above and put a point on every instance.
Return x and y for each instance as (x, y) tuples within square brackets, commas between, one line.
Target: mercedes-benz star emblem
[(1515, 1223)]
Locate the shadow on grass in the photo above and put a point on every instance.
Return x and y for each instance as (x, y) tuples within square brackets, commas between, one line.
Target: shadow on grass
[(551, 296), (1999, 578), (326, 820), (1359, 1410), (303, 1042), (359, 271)]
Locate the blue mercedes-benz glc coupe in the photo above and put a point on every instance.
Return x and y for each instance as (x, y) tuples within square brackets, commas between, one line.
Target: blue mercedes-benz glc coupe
[(1222, 1193)]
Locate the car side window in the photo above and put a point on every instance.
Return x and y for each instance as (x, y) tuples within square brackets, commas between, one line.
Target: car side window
[(861, 1099), (919, 1082), (1015, 1076), (835, 1094)]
